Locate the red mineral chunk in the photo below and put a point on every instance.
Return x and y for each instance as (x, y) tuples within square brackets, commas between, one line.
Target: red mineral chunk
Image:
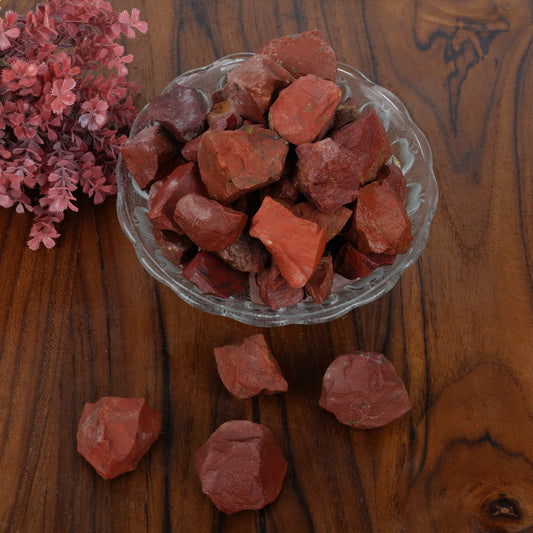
[(253, 83), (363, 391), (319, 284), (224, 116), (352, 264), (346, 112), (249, 368), (190, 149), (183, 180), (182, 111), (211, 225), (245, 254), (332, 222), (233, 163), (114, 434), (328, 174), (150, 155), (304, 111), (380, 224), (309, 52), (176, 248), (368, 140), (241, 466), (394, 176), (296, 244), (212, 275), (274, 290)]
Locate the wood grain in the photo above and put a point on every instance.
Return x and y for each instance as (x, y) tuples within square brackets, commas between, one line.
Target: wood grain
[(85, 320)]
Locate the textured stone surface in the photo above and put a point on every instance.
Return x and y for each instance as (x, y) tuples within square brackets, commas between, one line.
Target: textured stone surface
[(233, 163), (363, 391), (273, 289), (185, 179), (176, 248), (380, 224), (319, 284), (181, 111), (245, 254), (209, 224), (304, 111), (150, 155), (248, 368), (212, 275), (296, 244), (347, 111), (352, 264), (332, 222), (241, 466), (115, 433), (309, 52), (394, 177), (368, 140), (224, 116), (328, 174)]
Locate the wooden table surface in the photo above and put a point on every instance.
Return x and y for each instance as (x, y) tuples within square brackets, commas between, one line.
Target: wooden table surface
[(84, 320)]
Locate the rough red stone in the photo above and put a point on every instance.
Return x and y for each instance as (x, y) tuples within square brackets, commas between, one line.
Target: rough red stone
[(190, 149), (181, 111), (233, 163), (319, 284), (328, 174), (296, 244), (332, 222), (253, 84), (352, 264), (176, 248), (248, 368), (184, 180), (115, 433), (224, 116), (309, 52), (304, 111), (368, 140), (245, 254), (150, 155), (282, 190), (209, 224), (393, 175), (363, 391), (380, 224), (241, 466), (212, 275), (346, 112), (274, 290), (154, 189)]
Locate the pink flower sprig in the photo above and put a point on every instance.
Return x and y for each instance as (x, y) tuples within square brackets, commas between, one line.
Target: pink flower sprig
[(61, 123)]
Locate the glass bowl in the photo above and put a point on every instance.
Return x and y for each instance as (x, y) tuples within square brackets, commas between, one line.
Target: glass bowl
[(409, 145)]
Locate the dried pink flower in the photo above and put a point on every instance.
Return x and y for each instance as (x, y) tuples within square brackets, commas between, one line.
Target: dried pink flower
[(61, 125)]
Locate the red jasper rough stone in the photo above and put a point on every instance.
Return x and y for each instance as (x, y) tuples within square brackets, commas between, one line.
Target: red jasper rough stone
[(309, 52), (332, 222), (274, 290), (185, 179), (233, 163), (182, 111), (368, 140), (304, 111), (352, 264), (189, 152), (245, 254), (115, 433), (296, 244), (363, 390), (253, 83), (319, 284), (224, 116), (241, 466), (248, 368), (211, 225), (380, 224), (328, 174), (346, 112), (176, 248), (393, 175), (150, 155), (212, 275)]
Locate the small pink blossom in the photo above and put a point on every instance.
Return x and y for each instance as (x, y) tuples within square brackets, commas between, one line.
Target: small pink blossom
[(127, 23), (7, 33), (64, 97), (95, 114)]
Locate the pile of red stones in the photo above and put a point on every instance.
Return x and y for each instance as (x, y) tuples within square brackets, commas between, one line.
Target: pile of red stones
[(279, 187)]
